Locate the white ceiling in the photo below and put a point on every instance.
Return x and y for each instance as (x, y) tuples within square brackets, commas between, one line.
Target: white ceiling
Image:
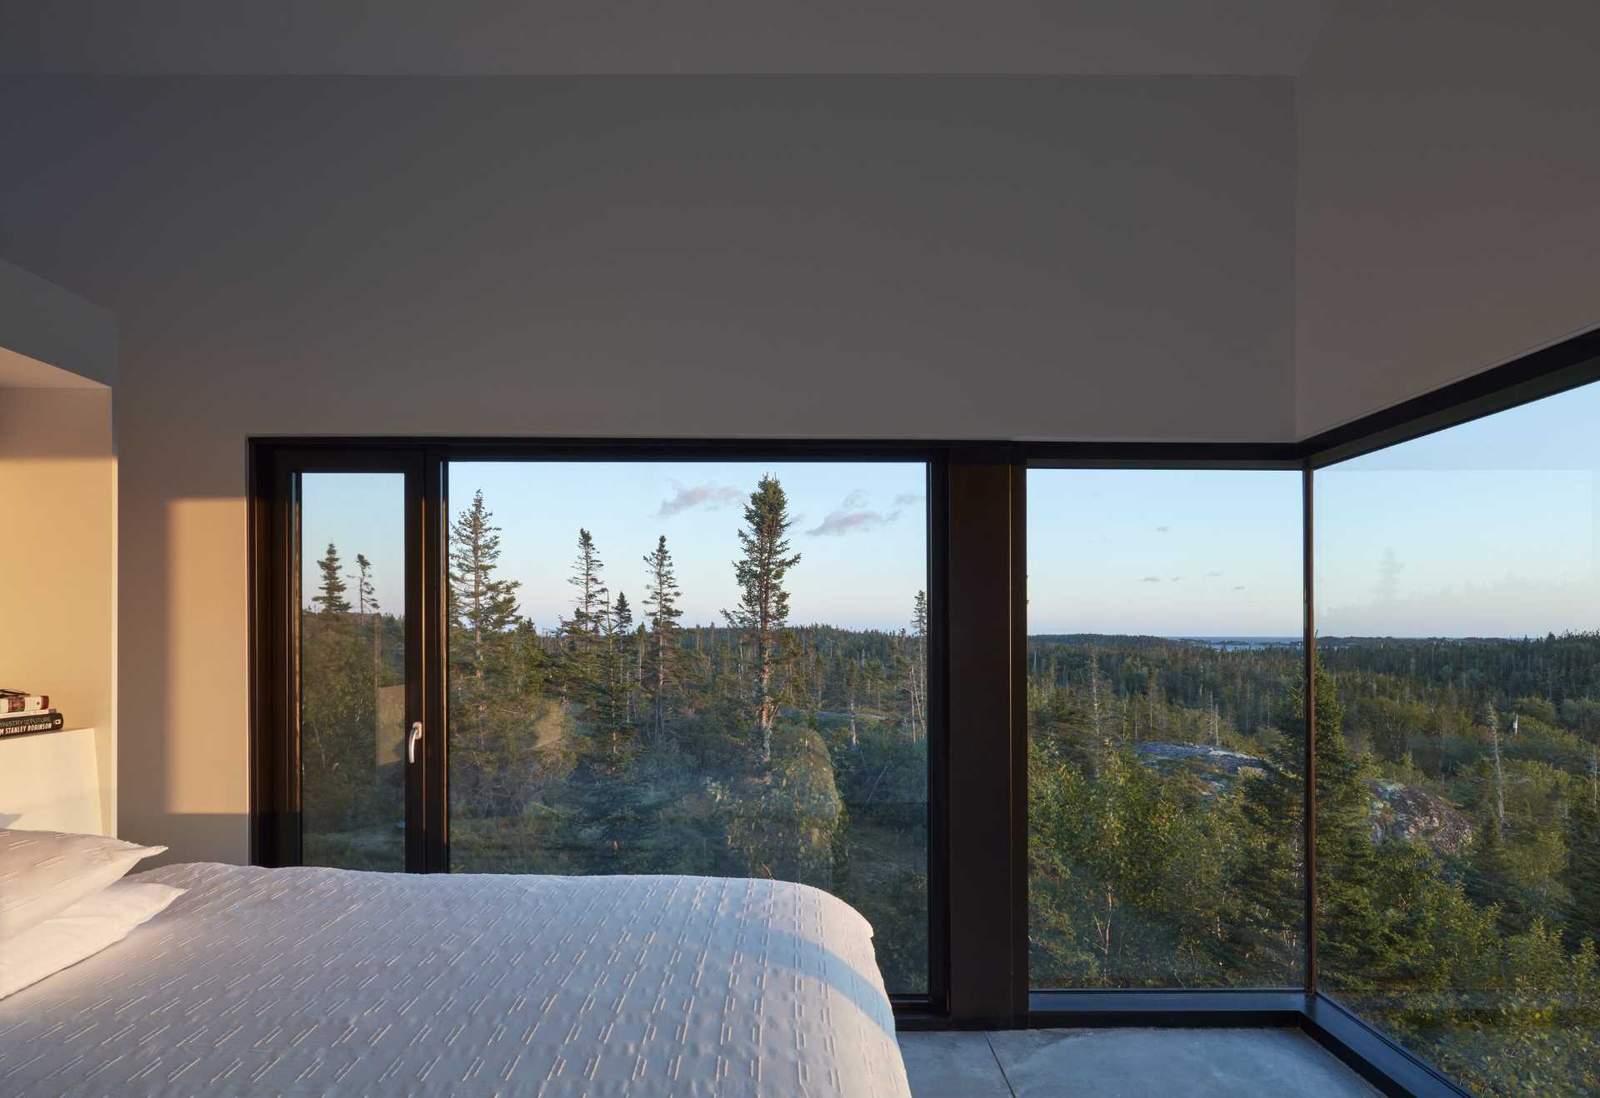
[(567, 37)]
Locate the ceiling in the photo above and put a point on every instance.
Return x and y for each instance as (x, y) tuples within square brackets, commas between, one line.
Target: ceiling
[(569, 37)]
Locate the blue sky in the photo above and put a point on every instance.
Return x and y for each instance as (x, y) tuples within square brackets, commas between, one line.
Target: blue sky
[(860, 529), (1188, 552), (1487, 529)]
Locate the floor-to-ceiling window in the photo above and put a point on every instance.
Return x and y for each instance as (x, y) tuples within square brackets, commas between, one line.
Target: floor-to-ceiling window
[(704, 667), (1458, 718), (808, 662), (352, 664), (1165, 729), (715, 668)]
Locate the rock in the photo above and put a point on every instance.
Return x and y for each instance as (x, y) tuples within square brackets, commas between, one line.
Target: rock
[(1399, 811), (1217, 767), (1406, 812)]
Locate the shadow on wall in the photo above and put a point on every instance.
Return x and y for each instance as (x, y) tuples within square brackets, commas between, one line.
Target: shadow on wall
[(184, 730)]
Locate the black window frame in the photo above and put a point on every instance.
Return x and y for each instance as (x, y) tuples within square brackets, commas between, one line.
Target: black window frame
[(978, 749), (275, 465)]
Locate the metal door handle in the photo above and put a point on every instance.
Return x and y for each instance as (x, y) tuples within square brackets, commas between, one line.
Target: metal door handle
[(411, 741)]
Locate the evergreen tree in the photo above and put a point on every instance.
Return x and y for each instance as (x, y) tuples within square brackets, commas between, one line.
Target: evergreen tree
[(330, 599), (366, 597), (481, 606), (917, 677), (661, 601), (367, 603), (763, 610), (591, 619), (622, 639), (482, 610)]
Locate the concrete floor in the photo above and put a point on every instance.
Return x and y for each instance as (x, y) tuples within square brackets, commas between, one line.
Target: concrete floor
[(1126, 1063)]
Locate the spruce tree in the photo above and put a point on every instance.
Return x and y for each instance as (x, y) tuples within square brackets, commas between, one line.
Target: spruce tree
[(661, 602), (763, 610), (331, 598), (621, 634), (590, 621), (481, 607), (366, 597), (917, 684), (367, 603)]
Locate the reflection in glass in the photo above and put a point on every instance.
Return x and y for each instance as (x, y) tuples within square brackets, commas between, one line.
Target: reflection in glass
[(1458, 715), (699, 668), (1166, 733), (352, 670)]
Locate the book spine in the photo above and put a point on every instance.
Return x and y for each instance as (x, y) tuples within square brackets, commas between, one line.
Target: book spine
[(23, 703), (36, 722)]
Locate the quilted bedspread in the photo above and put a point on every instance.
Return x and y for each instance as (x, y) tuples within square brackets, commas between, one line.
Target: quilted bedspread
[(324, 982)]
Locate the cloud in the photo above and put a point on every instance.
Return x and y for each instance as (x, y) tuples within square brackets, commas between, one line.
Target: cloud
[(1151, 579), (907, 499), (708, 497), (853, 516), (1162, 529), (1214, 573), (1240, 587), (1175, 579)]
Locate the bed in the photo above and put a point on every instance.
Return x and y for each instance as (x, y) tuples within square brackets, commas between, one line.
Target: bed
[(322, 981)]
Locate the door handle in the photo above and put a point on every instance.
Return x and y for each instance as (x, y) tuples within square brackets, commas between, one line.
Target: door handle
[(412, 740)]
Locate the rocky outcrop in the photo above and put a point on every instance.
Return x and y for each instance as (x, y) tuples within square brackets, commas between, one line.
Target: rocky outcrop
[(1216, 767), (1399, 812)]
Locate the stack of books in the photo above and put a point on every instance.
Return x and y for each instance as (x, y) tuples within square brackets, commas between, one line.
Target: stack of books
[(22, 712)]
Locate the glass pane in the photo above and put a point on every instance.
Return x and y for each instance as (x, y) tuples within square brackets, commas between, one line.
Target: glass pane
[(1458, 713), (1166, 735), (352, 670), (699, 668)]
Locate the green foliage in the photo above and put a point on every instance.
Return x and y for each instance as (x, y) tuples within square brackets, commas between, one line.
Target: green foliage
[(1478, 955), (330, 593), (763, 609)]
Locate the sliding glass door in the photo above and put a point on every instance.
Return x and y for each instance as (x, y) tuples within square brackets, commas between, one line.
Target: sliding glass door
[(572, 666), (352, 623), (346, 780), (710, 668)]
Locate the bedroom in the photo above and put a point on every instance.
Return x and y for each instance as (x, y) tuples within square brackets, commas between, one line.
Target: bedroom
[(977, 292)]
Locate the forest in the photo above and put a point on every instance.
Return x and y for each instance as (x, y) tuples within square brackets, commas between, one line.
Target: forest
[(1458, 786), (1458, 824), (624, 741)]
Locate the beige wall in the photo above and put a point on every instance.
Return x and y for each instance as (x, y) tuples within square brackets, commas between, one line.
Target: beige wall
[(769, 257), (1448, 195), (58, 481)]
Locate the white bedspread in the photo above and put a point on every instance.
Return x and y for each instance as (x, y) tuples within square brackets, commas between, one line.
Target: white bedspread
[(321, 981)]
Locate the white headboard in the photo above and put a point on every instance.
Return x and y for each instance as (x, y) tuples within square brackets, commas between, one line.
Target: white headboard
[(51, 782)]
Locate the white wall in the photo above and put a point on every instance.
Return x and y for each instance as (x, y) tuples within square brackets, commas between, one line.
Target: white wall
[(1050, 258), (1448, 195)]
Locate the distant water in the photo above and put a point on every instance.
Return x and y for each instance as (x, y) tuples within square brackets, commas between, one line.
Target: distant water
[(1227, 644), (1242, 644)]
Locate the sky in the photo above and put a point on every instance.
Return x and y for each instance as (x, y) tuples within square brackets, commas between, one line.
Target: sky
[(1485, 529), (860, 528)]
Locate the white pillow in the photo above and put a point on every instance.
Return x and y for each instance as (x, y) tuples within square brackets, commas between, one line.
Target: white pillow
[(81, 931), (44, 872)]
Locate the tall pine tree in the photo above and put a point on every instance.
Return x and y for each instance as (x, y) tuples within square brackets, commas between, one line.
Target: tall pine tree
[(763, 610), (662, 614), (330, 598), (586, 629), (483, 618)]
